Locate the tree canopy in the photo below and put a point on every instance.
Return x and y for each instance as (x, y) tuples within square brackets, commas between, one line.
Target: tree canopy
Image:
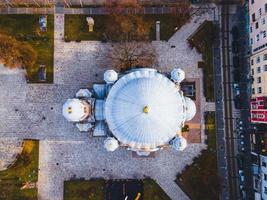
[(127, 28), (14, 53)]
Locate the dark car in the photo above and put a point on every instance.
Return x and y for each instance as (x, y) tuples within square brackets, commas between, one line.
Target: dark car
[(237, 75), (237, 102), (235, 33), (236, 62), (235, 47), (240, 161)]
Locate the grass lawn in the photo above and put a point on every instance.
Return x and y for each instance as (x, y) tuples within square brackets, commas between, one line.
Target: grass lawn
[(168, 25), (84, 190), (95, 190), (203, 41), (152, 191), (25, 169), (26, 28), (200, 180), (76, 27)]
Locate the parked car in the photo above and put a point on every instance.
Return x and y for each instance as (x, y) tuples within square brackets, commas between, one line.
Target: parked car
[(236, 89), (235, 33), (236, 62), (237, 76), (235, 47), (241, 176), (240, 161), (237, 102), (241, 146)]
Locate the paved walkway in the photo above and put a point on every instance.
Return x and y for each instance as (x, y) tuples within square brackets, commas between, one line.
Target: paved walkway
[(62, 160), (91, 11)]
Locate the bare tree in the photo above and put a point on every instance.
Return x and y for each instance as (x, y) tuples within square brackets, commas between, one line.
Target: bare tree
[(127, 55), (127, 27)]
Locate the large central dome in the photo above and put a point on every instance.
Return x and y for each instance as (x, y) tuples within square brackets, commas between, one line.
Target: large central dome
[(144, 109)]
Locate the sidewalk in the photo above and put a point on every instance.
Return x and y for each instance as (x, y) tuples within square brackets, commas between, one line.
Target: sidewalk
[(91, 11)]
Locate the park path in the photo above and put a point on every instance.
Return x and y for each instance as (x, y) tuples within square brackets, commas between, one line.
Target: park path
[(171, 188)]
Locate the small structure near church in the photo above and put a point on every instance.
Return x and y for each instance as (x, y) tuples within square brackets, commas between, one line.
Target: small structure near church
[(91, 23)]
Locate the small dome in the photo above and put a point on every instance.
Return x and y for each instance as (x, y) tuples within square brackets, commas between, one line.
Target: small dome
[(90, 20), (84, 126), (111, 144), (177, 75), (190, 109), (110, 76), (83, 93), (179, 143), (76, 110)]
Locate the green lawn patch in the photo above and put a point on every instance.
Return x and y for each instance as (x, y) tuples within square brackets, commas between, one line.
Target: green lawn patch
[(76, 28), (200, 180), (84, 190), (95, 190), (203, 40), (169, 24), (25, 28), (24, 170), (152, 191)]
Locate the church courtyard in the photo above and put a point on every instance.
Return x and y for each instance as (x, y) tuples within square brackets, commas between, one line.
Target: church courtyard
[(34, 111)]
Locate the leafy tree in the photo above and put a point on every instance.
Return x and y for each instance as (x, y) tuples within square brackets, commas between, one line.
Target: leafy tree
[(15, 54), (9, 51)]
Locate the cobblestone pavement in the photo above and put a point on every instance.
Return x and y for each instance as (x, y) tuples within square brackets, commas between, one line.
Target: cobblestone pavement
[(34, 111), (9, 149), (63, 160), (177, 53)]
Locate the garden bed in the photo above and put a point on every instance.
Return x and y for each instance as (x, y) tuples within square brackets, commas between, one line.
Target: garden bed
[(203, 40), (200, 180), (95, 190), (76, 28), (23, 170), (25, 28)]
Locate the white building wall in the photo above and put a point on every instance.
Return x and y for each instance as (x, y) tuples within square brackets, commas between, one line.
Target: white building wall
[(258, 41), (258, 25), (258, 66)]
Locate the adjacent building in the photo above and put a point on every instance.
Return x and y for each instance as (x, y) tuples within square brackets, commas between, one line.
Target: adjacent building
[(259, 162), (258, 66), (258, 59), (258, 41)]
